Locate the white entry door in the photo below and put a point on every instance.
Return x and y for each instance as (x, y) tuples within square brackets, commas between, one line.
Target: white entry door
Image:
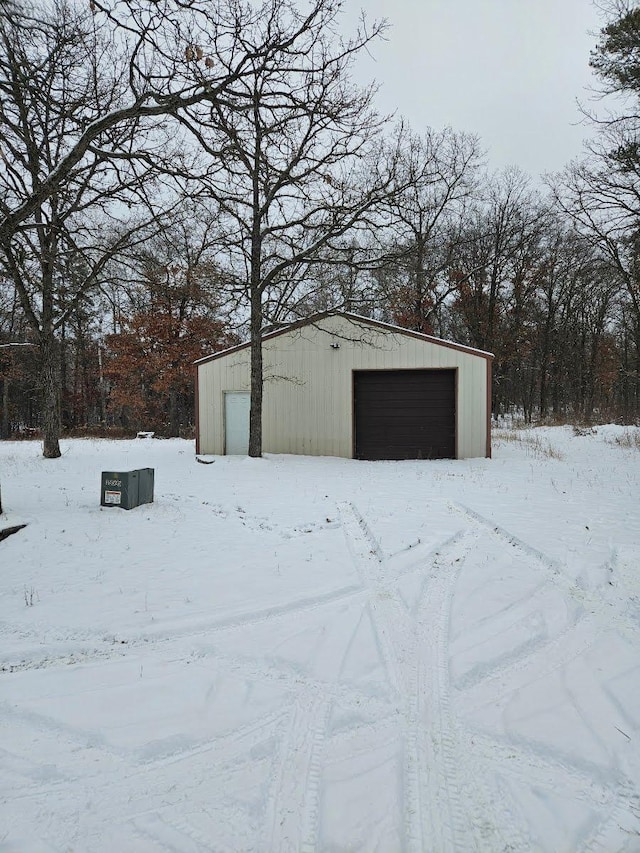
[(236, 423)]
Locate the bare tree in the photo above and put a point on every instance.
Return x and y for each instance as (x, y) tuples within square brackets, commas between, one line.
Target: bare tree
[(50, 75), (173, 315), (294, 166), (439, 175), (139, 61), (86, 96), (601, 193), (498, 229)]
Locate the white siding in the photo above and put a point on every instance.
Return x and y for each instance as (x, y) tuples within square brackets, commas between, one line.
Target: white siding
[(308, 405)]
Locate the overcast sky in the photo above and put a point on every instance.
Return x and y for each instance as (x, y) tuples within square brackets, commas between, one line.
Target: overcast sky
[(509, 71)]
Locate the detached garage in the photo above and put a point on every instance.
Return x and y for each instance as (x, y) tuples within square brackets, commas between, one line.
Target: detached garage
[(342, 385)]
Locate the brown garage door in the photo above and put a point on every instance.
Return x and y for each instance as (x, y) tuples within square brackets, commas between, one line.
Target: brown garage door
[(405, 414)]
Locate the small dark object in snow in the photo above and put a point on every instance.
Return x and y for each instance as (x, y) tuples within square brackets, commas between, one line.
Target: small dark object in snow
[(205, 461), (8, 531), (622, 733), (582, 431)]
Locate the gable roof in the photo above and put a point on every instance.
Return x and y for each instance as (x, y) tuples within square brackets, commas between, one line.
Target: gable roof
[(355, 318)]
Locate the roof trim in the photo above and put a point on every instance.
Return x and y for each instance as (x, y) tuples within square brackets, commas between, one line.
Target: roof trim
[(356, 318)]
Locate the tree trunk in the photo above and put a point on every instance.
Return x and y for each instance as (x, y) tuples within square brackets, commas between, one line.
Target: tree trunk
[(50, 386), (174, 425), (255, 322), (4, 415), (419, 293), (255, 417), (101, 389), (544, 359)]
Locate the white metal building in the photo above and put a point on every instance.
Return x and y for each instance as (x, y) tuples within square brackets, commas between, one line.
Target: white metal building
[(342, 385)]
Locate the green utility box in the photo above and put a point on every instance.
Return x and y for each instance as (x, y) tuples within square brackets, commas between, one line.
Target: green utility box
[(127, 489)]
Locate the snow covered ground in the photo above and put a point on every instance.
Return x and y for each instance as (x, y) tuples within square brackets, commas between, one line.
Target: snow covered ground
[(300, 654)]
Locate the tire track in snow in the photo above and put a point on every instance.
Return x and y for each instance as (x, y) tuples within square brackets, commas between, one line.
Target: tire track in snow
[(123, 766), (440, 763), (168, 835), (293, 805), (555, 572), (433, 760), (129, 794), (534, 664), (366, 558), (397, 567), (608, 790), (118, 646), (495, 822), (436, 769), (417, 661), (521, 760), (136, 784), (359, 740), (287, 678), (290, 678), (545, 657), (530, 617), (614, 832)]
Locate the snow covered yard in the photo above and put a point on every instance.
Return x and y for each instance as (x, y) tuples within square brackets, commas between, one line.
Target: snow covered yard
[(299, 654)]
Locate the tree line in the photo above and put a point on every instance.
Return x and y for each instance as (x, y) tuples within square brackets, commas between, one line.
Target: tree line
[(178, 176)]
